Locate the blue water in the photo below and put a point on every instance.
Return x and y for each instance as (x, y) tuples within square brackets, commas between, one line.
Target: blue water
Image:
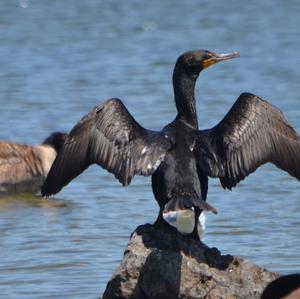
[(60, 58)]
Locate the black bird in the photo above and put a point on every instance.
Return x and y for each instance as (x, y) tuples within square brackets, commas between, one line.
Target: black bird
[(180, 157)]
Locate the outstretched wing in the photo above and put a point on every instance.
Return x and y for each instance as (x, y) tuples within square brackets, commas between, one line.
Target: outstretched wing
[(110, 137), (252, 133)]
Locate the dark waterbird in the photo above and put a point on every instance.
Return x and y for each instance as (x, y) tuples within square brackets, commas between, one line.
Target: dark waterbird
[(180, 157)]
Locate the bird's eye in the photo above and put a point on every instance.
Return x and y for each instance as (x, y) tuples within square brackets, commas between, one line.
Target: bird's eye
[(190, 61)]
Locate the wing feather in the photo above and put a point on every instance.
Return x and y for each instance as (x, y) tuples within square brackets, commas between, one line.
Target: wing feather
[(251, 134), (110, 137)]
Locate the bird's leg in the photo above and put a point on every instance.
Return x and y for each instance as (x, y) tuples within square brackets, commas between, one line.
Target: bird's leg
[(159, 220), (195, 233), (161, 223)]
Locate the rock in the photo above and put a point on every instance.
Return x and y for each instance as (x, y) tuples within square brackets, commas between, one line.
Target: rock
[(160, 263)]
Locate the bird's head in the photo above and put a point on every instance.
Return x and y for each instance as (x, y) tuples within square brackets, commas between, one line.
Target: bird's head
[(56, 140), (193, 62)]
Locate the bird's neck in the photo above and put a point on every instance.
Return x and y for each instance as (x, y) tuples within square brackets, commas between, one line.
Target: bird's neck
[(184, 92)]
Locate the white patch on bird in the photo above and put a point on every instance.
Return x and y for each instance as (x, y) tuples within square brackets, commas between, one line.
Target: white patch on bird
[(192, 146), (201, 225), (182, 220), (152, 167), (156, 164), (149, 166), (144, 150)]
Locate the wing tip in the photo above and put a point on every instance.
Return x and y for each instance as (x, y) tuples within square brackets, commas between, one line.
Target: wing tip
[(210, 208), (49, 189), (46, 193)]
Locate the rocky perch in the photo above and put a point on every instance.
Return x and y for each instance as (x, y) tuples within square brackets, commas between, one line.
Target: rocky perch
[(160, 263)]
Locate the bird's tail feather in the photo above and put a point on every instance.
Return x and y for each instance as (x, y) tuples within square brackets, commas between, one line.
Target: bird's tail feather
[(183, 203)]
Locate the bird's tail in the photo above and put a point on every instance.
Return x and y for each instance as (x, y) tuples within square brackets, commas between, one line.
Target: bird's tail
[(184, 203), (183, 213)]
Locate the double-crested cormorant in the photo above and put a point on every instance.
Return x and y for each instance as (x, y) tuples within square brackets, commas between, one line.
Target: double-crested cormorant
[(23, 168), (180, 157)]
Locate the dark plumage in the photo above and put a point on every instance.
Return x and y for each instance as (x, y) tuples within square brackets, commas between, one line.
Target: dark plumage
[(284, 287), (180, 157), (23, 167)]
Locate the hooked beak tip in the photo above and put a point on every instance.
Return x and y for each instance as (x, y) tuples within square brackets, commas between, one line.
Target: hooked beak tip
[(215, 57)]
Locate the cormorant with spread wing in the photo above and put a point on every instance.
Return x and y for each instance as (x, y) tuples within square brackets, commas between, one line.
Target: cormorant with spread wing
[(180, 157)]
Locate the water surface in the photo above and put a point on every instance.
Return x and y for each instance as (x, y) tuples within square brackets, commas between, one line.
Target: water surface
[(59, 59)]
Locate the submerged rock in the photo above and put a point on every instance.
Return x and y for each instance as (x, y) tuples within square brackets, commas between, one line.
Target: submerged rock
[(160, 263)]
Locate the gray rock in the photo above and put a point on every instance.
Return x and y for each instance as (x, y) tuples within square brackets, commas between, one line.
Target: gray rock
[(160, 263)]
